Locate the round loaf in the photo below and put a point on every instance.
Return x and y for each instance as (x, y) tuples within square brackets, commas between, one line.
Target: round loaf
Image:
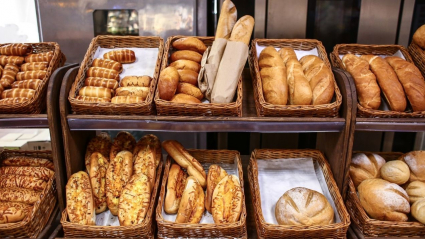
[(192, 203), (419, 37), (303, 206), (215, 175), (227, 199), (418, 210), (98, 166), (185, 99), (188, 76), (190, 43), (416, 191), (396, 172), (123, 141), (189, 89), (383, 200), (365, 166), (416, 162), (186, 55), (167, 83), (79, 199), (186, 65), (175, 186)]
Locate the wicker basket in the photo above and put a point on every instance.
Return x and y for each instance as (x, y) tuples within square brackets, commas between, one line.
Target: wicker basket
[(360, 49), (34, 223), (267, 109), (144, 230), (165, 107), (168, 229), (37, 104), (108, 108), (267, 230), (418, 56), (376, 228)]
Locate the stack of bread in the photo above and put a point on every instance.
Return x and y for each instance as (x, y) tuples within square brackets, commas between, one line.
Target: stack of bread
[(385, 189), (121, 176), (285, 80), (103, 80), (186, 183), (21, 72), (22, 180)]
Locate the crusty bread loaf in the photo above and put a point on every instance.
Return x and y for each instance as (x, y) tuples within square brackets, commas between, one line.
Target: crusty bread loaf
[(22, 195), (93, 91), (122, 56), (38, 172), (186, 99), (190, 43), (102, 73), (21, 181), (416, 162), (364, 166), (28, 161), (186, 55), (419, 37), (190, 89), (152, 142), (126, 99), (16, 49), (383, 200), (34, 66), (107, 63), (13, 211), (299, 89), (98, 166), (167, 84), (388, 82), (133, 91), (416, 191), (27, 75), (92, 99), (175, 186), (101, 144), (101, 82), (215, 175), (27, 84), (302, 206), (186, 65), (123, 141), (188, 76), (368, 91), (227, 19), (192, 203), (227, 200), (136, 81), (395, 171), (79, 199), (418, 210), (287, 53), (39, 57), (144, 163), (242, 30)]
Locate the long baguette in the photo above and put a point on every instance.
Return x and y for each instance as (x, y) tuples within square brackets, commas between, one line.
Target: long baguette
[(228, 17)]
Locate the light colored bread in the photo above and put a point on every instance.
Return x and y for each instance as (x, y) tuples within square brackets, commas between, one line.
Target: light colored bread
[(107, 63), (287, 53), (186, 65), (175, 186), (188, 76), (121, 56), (28, 161), (38, 172), (20, 181), (299, 89), (79, 199), (396, 172), (126, 99), (242, 30), (103, 73), (227, 200), (227, 19), (153, 143), (185, 99), (190, 89), (303, 206), (22, 195), (142, 81), (101, 144), (13, 211), (186, 55), (416, 162), (418, 210), (144, 163), (419, 37), (190, 43), (416, 191), (101, 82), (137, 91), (123, 141), (192, 205), (92, 99), (215, 175), (365, 166), (98, 166), (93, 91), (383, 200), (167, 84)]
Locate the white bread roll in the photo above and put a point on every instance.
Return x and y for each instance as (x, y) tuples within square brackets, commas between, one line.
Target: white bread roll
[(396, 172)]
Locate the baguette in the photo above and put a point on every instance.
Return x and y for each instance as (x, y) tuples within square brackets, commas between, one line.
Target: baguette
[(101, 82), (38, 172), (40, 57), (123, 141), (102, 73), (287, 53), (144, 81), (11, 101), (299, 89), (20, 181), (98, 167), (106, 63), (186, 65), (144, 163), (191, 206), (22, 195), (188, 76), (28, 161), (79, 199), (227, 199), (27, 84), (13, 212), (16, 49), (126, 99), (189, 89), (186, 55), (92, 99), (27, 75), (122, 56), (167, 84), (9, 75), (242, 29), (227, 19), (175, 186), (15, 60), (185, 99), (100, 144), (133, 91), (215, 175), (134, 201), (190, 43), (18, 93), (151, 141), (34, 66), (99, 92)]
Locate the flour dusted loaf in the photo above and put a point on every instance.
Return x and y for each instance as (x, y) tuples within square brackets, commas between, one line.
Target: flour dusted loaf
[(364, 166), (416, 162), (395, 171)]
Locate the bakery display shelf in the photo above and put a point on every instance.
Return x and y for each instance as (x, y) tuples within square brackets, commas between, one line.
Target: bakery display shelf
[(395, 125), (23, 121), (354, 233)]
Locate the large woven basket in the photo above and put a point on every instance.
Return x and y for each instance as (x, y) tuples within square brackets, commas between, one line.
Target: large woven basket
[(37, 104), (267, 109), (168, 229), (376, 228), (144, 230), (34, 223), (164, 107), (360, 49), (418, 56), (108, 108), (268, 230)]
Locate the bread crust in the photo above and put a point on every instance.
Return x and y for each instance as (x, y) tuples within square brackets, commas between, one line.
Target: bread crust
[(416, 162), (13, 212), (395, 171), (186, 65), (175, 186), (22, 195), (419, 37), (416, 191), (133, 91), (185, 99), (365, 166), (188, 76), (28, 161), (144, 81), (101, 144), (227, 19), (38, 172), (227, 199), (98, 167), (418, 210), (167, 84), (215, 175), (20, 181), (153, 142), (190, 43), (107, 63), (126, 100), (186, 55), (299, 89), (144, 163), (79, 199), (123, 142), (192, 205), (189, 89), (242, 30)]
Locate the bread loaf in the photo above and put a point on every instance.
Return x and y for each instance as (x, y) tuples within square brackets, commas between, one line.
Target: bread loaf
[(186, 55), (98, 166), (27, 84), (9, 75), (299, 89), (122, 56), (21, 181), (153, 143), (138, 91), (136, 81), (242, 30), (192, 203), (38, 172), (388, 82), (28, 161), (227, 19), (101, 144), (186, 65), (418, 210), (188, 76), (106, 63), (40, 57), (101, 82), (416, 191), (190, 43), (18, 93), (368, 91), (227, 200), (34, 66), (416, 162), (396, 172), (11, 101), (16, 49), (92, 99), (419, 37), (79, 199), (215, 175), (22, 195), (134, 201), (13, 212), (302, 206), (365, 166), (287, 53), (175, 186), (93, 91), (126, 99), (185, 99), (189, 89), (102, 73), (144, 163), (167, 84), (123, 141), (16, 60), (27, 75)]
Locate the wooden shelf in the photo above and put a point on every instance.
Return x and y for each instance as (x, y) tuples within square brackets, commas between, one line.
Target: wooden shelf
[(24, 121), (394, 125)]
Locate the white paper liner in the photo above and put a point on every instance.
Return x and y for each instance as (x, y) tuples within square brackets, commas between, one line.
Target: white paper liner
[(299, 53), (107, 219), (231, 169), (277, 176)]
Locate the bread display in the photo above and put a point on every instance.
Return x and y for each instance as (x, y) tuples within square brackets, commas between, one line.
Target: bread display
[(215, 175), (226, 204), (27, 84), (13, 212), (101, 82), (123, 56), (416, 191), (100, 144), (416, 162), (37, 172), (192, 203), (175, 186), (106, 63), (123, 141), (22, 195), (167, 84), (365, 166), (40, 57), (396, 172), (141, 81), (98, 166), (16, 49), (186, 55), (418, 210), (80, 205), (28, 161), (190, 43), (34, 66), (227, 19)]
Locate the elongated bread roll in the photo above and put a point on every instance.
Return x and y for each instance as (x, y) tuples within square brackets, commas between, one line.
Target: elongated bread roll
[(28, 161), (152, 142), (144, 81), (16, 49), (227, 19), (144, 163), (189, 89), (227, 199), (102, 73), (92, 99), (13, 211), (9, 75), (185, 99), (287, 53), (38, 172), (18, 93), (27, 84), (299, 89), (190, 43), (126, 99), (20, 181), (368, 91), (122, 56), (79, 199), (34, 66), (167, 84), (215, 175), (186, 55), (175, 186), (243, 29), (106, 63), (101, 82), (11, 101), (100, 144), (134, 201), (98, 166), (133, 91), (27, 75), (192, 203), (188, 76), (123, 141), (40, 57), (186, 65), (22, 195), (117, 175), (93, 91), (412, 81), (16, 60)]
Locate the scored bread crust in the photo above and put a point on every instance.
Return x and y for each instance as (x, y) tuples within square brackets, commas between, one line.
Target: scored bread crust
[(79, 199), (13, 211), (38, 172), (28, 161), (20, 181), (101, 144), (227, 199), (228, 17), (416, 162), (98, 167), (242, 29), (192, 203), (145, 164), (23, 195), (123, 141), (153, 142), (364, 166), (175, 186), (215, 175), (416, 191)]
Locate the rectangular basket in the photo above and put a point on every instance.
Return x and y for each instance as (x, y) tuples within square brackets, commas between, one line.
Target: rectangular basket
[(267, 109), (164, 107), (418, 56), (376, 228), (32, 225), (267, 230), (361, 49), (144, 230), (168, 229), (37, 104), (108, 108)]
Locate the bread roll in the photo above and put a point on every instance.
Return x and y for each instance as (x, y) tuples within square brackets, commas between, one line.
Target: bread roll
[(419, 37), (167, 84), (388, 82), (153, 143), (188, 76), (101, 82), (92, 99), (242, 30), (320, 78), (227, 199), (11, 101), (122, 56), (227, 19), (79, 199), (396, 172), (123, 141), (303, 207), (144, 81), (189, 89), (134, 201), (192, 203), (9, 75), (16, 49), (13, 212), (175, 186), (18, 93), (21, 181), (98, 166), (215, 175), (412, 81), (28, 161), (22, 195), (118, 174), (416, 162), (100, 144), (106, 63), (186, 55), (299, 89), (418, 210), (416, 191), (16, 60), (273, 77), (27, 75), (102, 73), (383, 200), (38, 172), (144, 163), (185, 99), (187, 161), (27, 84), (126, 99), (93, 91), (34, 66), (365, 166), (40, 57), (186, 65), (190, 43), (368, 91), (133, 91)]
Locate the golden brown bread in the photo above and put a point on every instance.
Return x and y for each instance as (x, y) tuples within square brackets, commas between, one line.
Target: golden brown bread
[(185, 99), (40, 57), (11, 101), (34, 66), (122, 56), (13, 211), (27, 75), (192, 203), (98, 166), (175, 186), (186, 55), (27, 84), (189, 89), (299, 89), (16, 60), (92, 99), (412, 81), (186, 65), (215, 175), (395, 171), (22, 195), (227, 19), (227, 200), (38, 172), (18, 93), (151, 141), (418, 210), (364, 166), (136, 81), (138, 91), (419, 37), (101, 82), (79, 199), (9, 75), (416, 162), (123, 141), (188, 76), (368, 91), (16, 49), (93, 91), (287, 53), (101, 144), (242, 30), (102, 73), (190, 43), (144, 163), (28, 161), (21, 181), (167, 84), (416, 191), (126, 99), (107, 63)]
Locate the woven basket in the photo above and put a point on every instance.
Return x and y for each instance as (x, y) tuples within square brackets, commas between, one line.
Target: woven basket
[(37, 104), (376, 228), (34, 223), (168, 229), (418, 56), (267, 230), (267, 109), (144, 230), (108, 108), (342, 49), (164, 107)]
